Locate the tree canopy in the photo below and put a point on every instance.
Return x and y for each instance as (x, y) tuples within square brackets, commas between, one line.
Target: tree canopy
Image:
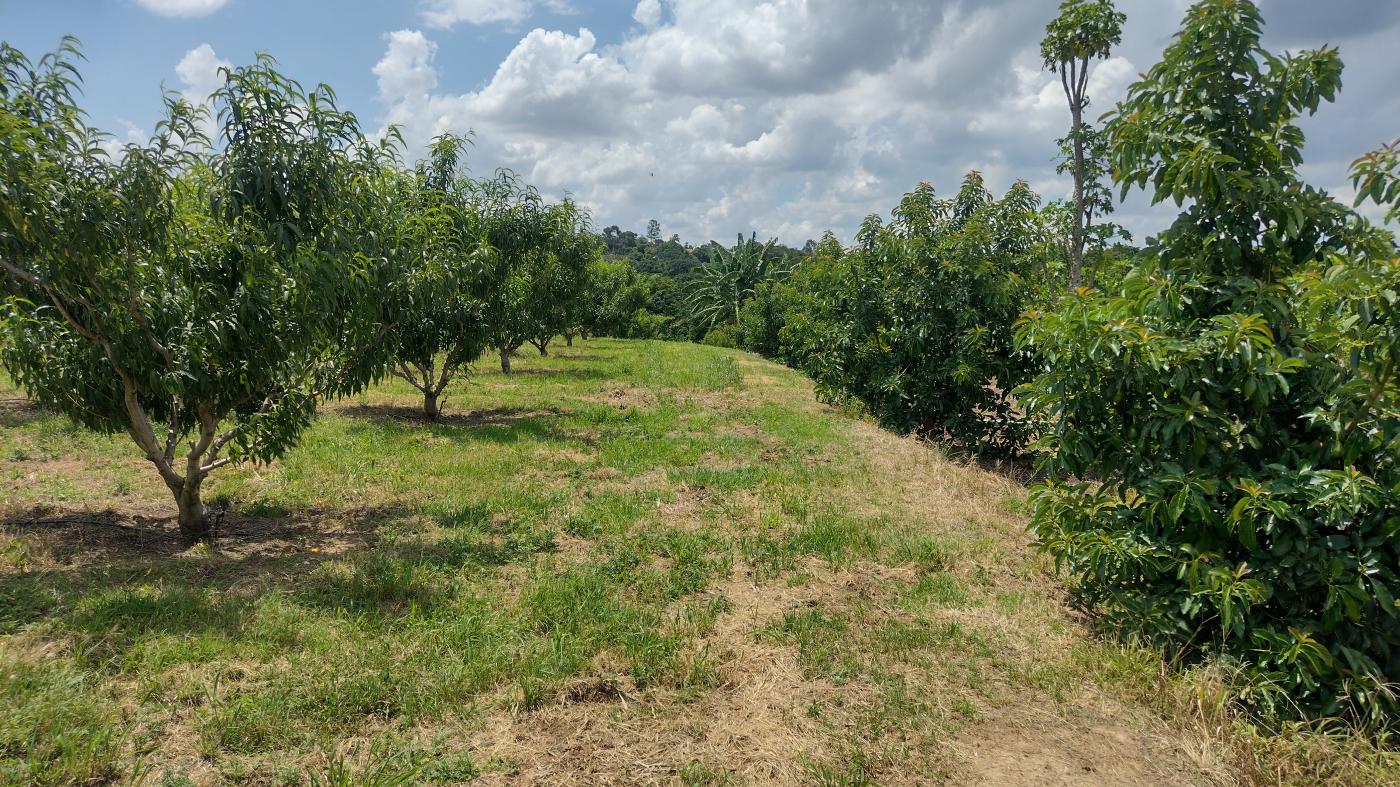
[(180, 290)]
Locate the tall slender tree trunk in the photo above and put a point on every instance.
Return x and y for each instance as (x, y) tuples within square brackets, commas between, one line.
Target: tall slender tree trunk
[(1076, 246), (505, 361)]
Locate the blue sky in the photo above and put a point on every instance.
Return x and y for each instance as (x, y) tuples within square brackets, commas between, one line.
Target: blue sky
[(785, 117)]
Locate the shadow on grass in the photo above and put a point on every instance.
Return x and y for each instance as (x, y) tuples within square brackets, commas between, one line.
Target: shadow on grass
[(568, 355), (109, 579), (585, 373), (54, 559), (407, 415), (19, 412), (499, 425)]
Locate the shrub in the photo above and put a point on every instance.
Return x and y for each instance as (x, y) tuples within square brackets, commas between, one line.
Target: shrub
[(761, 321), (916, 321), (722, 335), (645, 325), (1222, 430)]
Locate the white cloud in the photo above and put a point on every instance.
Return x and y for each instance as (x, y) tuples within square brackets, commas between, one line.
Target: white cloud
[(554, 82), (406, 70), (199, 74), (446, 13), (187, 8), (648, 13)]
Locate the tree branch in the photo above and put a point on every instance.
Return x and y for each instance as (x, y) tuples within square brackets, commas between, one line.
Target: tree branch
[(444, 376), (404, 372), (174, 433)]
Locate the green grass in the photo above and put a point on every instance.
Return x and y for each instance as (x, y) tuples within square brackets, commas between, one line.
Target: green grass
[(636, 539)]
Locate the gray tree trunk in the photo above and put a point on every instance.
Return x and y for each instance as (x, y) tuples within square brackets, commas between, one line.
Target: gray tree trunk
[(505, 362), (1076, 247), (194, 525)]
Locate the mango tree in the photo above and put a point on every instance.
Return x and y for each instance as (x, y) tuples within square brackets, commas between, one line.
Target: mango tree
[(511, 219), (919, 319), (195, 299), (616, 292), (558, 289), (441, 260)]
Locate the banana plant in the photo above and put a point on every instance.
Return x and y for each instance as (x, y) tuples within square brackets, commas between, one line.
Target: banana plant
[(729, 279)]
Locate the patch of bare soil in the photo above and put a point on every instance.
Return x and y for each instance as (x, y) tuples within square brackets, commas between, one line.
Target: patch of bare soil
[(1084, 747), (627, 396), (18, 411), (755, 725)]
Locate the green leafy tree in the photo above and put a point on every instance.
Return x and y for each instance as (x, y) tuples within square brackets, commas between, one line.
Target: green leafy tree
[(1376, 177), (916, 320), (1084, 30), (511, 217), (441, 263), (616, 293), (809, 314), (542, 255), (1221, 431), (558, 279), (1096, 234), (761, 320), (200, 301)]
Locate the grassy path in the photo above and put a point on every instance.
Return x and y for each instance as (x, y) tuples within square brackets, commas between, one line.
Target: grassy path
[(628, 563)]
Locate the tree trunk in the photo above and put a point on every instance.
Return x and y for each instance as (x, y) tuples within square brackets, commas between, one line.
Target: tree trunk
[(568, 340), (194, 525), (430, 405), (505, 362), (1076, 248), (544, 348)]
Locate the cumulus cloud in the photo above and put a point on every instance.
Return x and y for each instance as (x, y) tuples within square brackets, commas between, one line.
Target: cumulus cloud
[(785, 117), (199, 76), (648, 13), (406, 73), (115, 145), (199, 72), (186, 8), (446, 13)]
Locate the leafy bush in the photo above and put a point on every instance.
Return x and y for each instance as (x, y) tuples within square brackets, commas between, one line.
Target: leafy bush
[(761, 321), (722, 335), (645, 325), (1223, 429), (916, 321)]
